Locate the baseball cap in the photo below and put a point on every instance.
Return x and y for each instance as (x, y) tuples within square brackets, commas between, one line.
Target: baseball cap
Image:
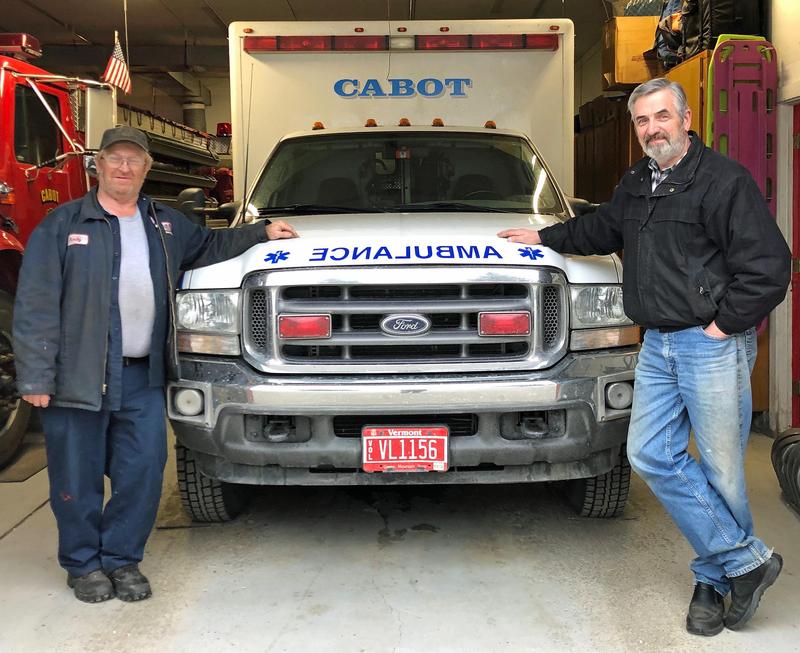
[(124, 134)]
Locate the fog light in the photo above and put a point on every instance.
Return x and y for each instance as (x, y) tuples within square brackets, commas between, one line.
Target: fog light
[(188, 401), (619, 395)]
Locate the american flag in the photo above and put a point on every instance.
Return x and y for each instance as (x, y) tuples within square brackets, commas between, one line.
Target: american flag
[(116, 70)]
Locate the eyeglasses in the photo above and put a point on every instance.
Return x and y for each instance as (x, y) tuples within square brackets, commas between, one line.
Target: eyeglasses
[(115, 160)]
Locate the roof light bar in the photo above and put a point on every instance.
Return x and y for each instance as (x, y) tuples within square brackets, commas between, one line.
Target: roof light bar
[(443, 42), (377, 43), (498, 41), (541, 42), (358, 43), (300, 43), (21, 45)]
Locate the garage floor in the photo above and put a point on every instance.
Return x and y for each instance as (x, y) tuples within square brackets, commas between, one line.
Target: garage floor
[(499, 568)]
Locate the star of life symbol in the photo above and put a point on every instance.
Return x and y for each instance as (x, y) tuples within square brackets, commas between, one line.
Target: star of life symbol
[(275, 257), (531, 253)]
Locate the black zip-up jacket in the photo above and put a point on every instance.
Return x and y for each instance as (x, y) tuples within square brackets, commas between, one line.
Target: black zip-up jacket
[(62, 310), (702, 247)]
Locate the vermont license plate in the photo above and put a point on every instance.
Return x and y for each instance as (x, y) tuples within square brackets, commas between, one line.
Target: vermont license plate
[(404, 448)]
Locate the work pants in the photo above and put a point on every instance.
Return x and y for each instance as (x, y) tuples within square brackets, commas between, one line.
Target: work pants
[(127, 445)]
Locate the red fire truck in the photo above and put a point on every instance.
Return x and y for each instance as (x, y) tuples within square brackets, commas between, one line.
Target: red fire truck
[(45, 125)]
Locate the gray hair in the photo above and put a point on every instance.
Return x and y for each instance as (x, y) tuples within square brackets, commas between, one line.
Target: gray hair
[(656, 85)]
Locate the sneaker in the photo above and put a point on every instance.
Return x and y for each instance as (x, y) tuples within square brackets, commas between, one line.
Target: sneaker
[(93, 587), (130, 584), (746, 591), (705, 611)]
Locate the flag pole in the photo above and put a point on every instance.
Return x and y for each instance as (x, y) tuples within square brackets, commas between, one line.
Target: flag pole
[(127, 53)]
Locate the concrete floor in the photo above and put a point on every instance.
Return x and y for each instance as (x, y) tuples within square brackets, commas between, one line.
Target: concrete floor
[(502, 568)]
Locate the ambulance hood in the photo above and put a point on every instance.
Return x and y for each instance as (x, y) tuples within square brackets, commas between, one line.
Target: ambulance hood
[(404, 239)]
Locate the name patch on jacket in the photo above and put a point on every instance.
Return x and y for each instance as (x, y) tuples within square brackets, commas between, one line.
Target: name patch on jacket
[(167, 227), (78, 239)]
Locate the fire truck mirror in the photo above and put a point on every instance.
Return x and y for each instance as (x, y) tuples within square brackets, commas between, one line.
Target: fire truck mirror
[(100, 115)]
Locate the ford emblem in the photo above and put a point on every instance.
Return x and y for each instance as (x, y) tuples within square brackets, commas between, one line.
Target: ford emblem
[(405, 325)]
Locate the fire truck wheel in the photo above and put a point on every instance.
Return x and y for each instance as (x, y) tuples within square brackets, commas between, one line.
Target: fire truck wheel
[(14, 413), (604, 495), (206, 499)]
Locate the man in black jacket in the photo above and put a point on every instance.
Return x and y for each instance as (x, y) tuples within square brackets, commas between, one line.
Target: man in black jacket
[(91, 337), (704, 265)]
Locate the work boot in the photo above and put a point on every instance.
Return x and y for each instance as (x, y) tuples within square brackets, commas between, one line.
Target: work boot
[(93, 587), (746, 591), (130, 583), (705, 611)]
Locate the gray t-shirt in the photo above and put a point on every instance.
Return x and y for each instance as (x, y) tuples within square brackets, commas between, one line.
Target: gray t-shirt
[(137, 305)]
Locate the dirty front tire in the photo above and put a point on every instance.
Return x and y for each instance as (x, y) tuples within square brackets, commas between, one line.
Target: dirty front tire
[(206, 499), (14, 413), (604, 495)]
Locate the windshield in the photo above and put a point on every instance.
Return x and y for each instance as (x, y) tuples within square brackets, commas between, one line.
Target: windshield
[(405, 172)]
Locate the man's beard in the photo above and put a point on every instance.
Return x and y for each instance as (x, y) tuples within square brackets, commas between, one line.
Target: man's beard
[(666, 151)]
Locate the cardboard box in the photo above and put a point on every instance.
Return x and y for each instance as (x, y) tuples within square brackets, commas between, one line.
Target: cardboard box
[(625, 40), (692, 74)]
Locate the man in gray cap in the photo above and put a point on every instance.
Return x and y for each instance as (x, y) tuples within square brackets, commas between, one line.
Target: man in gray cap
[(93, 344)]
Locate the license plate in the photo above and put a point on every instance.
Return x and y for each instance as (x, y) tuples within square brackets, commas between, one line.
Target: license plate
[(404, 448)]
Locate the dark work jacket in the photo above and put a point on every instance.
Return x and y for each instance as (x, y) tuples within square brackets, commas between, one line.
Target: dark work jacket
[(701, 247), (64, 339)]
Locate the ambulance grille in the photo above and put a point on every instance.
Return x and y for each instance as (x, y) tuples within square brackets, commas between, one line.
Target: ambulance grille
[(357, 312)]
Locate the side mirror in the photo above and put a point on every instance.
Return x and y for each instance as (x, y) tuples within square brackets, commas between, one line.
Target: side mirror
[(228, 211), (580, 206), (191, 202)]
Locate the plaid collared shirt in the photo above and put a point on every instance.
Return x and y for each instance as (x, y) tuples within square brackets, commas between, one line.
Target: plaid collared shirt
[(657, 175)]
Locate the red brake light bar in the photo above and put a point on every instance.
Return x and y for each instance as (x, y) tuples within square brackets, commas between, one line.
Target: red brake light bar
[(304, 326), (504, 324), (422, 42), (498, 41), (443, 42), (541, 42), (360, 43)]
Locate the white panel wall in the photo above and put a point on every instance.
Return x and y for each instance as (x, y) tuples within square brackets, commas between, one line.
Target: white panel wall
[(785, 24), (784, 31)]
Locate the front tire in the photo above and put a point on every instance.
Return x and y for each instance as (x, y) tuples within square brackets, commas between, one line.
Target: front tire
[(604, 495), (14, 412), (206, 499)]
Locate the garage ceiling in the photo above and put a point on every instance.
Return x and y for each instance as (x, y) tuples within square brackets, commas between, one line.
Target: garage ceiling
[(191, 35)]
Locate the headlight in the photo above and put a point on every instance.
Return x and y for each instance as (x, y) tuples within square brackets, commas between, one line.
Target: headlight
[(208, 312), (594, 306)]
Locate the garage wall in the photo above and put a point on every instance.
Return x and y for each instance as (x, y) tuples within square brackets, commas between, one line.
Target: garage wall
[(150, 98), (220, 108), (588, 76)]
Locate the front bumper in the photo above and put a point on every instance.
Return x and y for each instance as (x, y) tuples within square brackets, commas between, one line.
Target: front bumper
[(580, 436)]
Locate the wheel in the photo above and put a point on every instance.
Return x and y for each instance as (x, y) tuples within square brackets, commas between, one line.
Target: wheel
[(604, 495), (206, 499), (14, 413)]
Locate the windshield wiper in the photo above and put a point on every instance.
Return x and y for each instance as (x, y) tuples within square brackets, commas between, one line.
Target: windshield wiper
[(315, 208), (453, 206)]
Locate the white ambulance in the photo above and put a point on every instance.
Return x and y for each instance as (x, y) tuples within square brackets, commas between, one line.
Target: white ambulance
[(398, 340)]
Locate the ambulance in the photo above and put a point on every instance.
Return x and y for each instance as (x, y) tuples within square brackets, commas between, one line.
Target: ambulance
[(398, 340)]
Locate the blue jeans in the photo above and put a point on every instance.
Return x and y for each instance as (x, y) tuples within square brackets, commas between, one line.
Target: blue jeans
[(688, 380), (127, 445)]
